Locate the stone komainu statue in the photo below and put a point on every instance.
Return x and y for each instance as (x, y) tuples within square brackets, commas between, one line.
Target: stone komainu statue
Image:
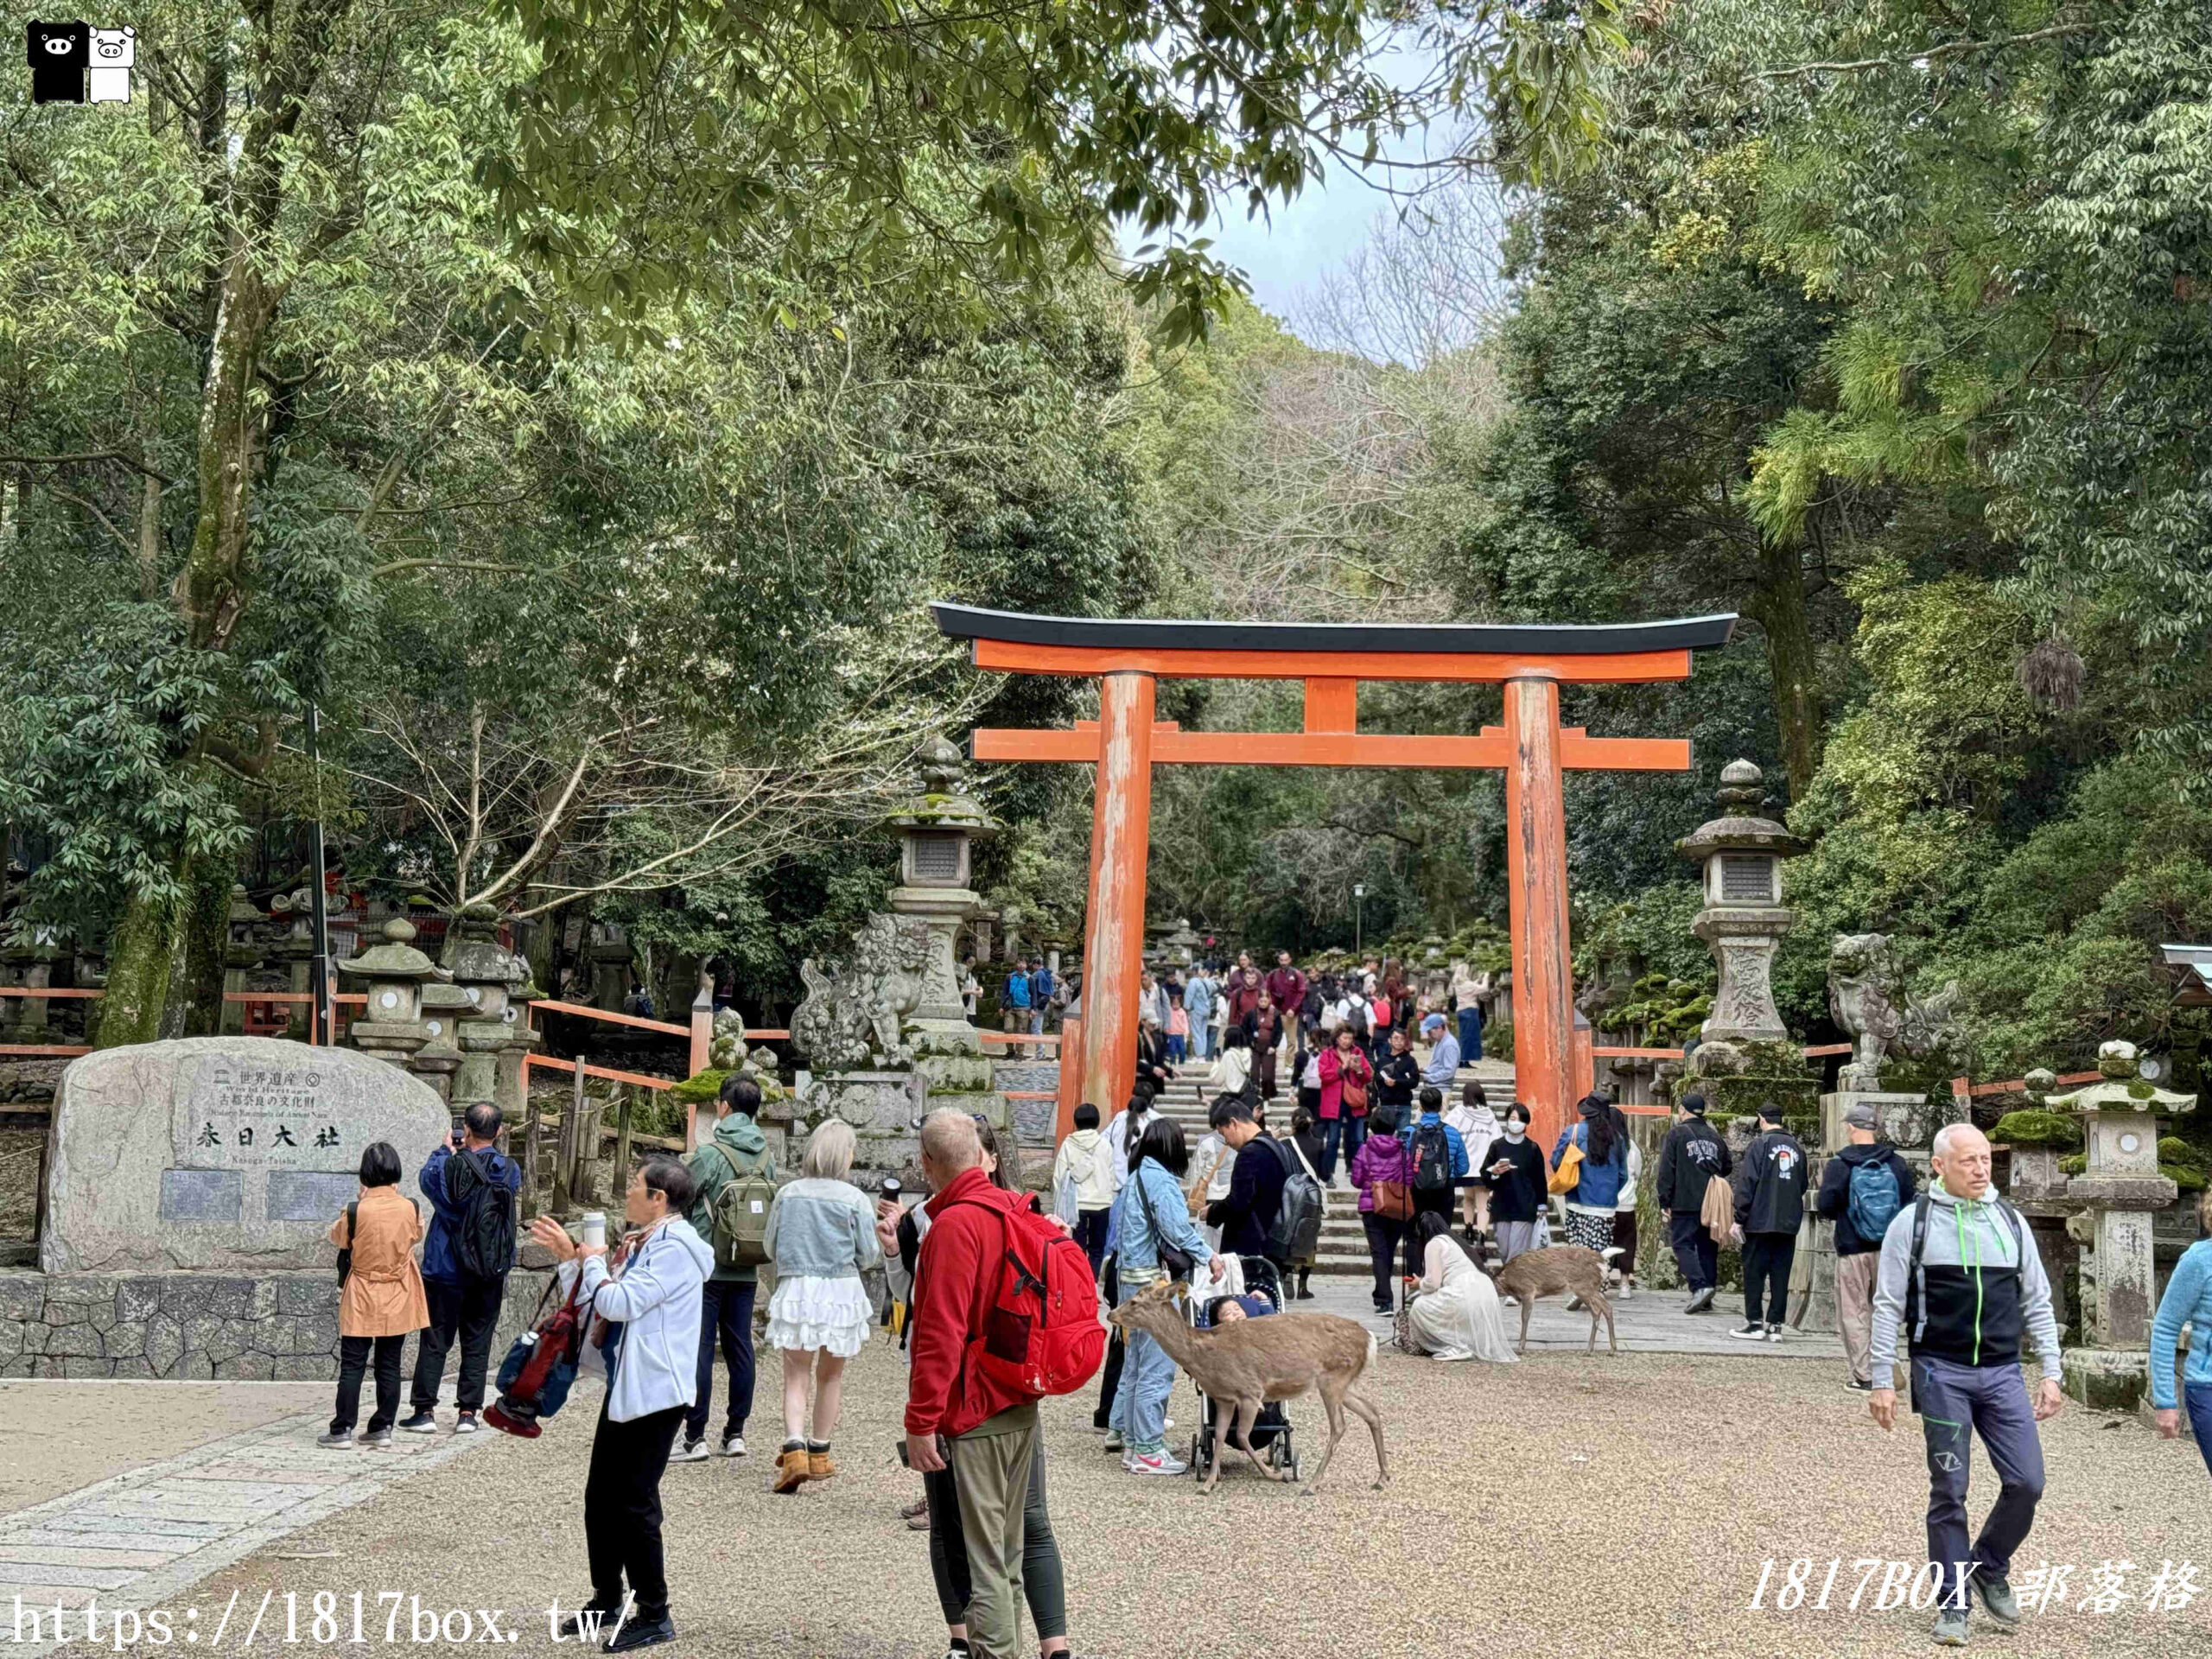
[(850, 1018), (1866, 997)]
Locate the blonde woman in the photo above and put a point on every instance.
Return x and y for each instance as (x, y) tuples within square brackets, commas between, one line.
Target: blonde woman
[(822, 1237)]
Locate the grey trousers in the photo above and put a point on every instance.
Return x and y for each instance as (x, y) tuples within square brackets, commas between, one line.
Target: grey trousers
[(1516, 1238), (1956, 1402), (990, 1472)]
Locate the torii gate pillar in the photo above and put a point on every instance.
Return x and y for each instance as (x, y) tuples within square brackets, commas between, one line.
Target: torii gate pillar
[(1120, 835), (1545, 1060)]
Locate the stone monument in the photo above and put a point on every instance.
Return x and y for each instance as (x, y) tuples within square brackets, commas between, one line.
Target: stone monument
[(2118, 1192), (219, 1153)]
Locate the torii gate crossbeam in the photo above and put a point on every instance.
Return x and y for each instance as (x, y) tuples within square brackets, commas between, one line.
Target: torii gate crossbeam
[(1531, 747)]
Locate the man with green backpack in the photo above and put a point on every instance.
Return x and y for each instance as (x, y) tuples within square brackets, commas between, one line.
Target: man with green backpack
[(737, 1179)]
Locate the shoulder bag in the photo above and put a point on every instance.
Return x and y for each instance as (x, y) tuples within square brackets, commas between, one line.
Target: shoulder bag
[(1174, 1263)]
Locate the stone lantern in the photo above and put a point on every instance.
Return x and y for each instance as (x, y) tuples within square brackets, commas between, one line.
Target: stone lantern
[(391, 1026), (937, 832), (2118, 1192), (492, 1037), (241, 955), (1743, 918), (439, 1060)]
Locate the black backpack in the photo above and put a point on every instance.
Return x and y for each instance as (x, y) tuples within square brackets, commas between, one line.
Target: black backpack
[(1431, 1158), (484, 1235), (1296, 1235)]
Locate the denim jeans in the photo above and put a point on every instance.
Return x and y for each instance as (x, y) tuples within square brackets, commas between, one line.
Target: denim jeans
[(1333, 1130), (1201, 1038), (2197, 1403), (1175, 1045), (1470, 1033), (725, 1313), (1139, 1412), (1354, 1138)]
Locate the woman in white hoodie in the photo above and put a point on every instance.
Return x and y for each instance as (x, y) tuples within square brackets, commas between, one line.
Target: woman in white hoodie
[(653, 1292), (1083, 1184)]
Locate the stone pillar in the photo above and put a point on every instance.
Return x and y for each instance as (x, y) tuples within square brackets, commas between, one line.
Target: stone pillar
[(2119, 1191)]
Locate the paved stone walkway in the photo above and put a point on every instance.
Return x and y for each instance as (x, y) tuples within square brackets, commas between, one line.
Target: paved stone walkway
[(138, 1539)]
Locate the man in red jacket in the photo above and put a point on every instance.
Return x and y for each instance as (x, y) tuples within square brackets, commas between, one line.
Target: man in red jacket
[(955, 1408), (1287, 985)]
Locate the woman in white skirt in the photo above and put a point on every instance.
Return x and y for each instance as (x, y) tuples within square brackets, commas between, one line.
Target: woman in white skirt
[(1454, 1312), (822, 1237)]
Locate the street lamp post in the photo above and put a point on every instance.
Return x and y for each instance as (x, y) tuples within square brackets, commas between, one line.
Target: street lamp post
[(1358, 917)]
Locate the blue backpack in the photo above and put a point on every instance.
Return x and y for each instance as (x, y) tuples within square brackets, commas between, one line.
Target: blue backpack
[(1874, 1199)]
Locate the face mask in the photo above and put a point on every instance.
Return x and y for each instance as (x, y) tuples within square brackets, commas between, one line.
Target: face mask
[(1514, 1129)]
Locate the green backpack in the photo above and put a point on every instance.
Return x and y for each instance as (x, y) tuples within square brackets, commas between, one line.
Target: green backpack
[(739, 1214)]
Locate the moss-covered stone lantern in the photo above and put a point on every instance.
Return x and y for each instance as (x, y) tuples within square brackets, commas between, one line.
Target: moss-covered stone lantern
[(394, 973), (2120, 1189)]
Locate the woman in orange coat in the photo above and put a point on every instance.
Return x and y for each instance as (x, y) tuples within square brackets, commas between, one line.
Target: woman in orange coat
[(383, 1300)]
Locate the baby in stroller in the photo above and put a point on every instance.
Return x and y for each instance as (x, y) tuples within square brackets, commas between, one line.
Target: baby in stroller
[(1261, 1296)]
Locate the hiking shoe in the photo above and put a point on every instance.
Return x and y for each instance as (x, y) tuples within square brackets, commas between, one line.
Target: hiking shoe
[(1751, 1333), (336, 1438), (1951, 1628), (1153, 1463), (791, 1470), (691, 1451), (734, 1445), (1701, 1301), (641, 1633), (819, 1466), (377, 1438), (1774, 1333), (422, 1422), (1997, 1596), (466, 1423)]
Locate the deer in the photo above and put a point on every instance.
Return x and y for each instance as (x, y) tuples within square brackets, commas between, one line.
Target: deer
[(1254, 1361), (1534, 1274)]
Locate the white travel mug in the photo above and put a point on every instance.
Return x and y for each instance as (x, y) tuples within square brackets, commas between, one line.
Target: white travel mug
[(595, 1229)]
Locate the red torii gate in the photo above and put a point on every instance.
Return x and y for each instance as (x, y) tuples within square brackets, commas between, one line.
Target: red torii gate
[(1530, 661)]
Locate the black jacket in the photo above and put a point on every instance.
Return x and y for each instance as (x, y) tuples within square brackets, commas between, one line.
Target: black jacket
[(1689, 1157), (1517, 1195), (1834, 1197), (1770, 1185), (1396, 1079), (1256, 1183)]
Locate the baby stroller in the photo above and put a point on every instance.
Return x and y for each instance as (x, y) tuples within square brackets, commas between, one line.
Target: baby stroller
[(1271, 1436)]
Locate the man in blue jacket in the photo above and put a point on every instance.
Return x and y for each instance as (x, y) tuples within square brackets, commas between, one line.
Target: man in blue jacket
[(462, 1303)]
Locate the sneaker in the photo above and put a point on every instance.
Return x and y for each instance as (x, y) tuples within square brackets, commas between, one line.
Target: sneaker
[(1951, 1628), (588, 1623), (1384, 1309), (1574, 1304), (466, 1423), (1625, 1293), (1774, 1333), (641, 1633), (377, 1438), (1450, 1354), (1153, 1463), (422, 1422), (1113, 1442), (336, 1438), (691, 1451), (1701, 1301), (1862, 1387), (1751, 1333), (918, 1509), (1997, 1596), (734, 1445)]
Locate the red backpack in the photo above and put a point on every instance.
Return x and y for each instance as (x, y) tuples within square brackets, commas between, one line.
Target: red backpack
[(1041, 1329)]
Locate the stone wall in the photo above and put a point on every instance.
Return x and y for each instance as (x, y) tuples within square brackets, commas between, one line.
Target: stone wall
[(265, 1327)]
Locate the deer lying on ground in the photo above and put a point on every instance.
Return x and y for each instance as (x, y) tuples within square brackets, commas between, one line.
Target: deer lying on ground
[(1246, 1364), (1563, 1268)]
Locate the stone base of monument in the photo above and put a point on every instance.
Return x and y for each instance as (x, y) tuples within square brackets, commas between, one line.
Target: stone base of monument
[(2106, 1379), (269, 1327)]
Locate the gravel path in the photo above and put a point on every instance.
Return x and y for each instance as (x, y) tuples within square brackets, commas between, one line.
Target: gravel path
[(1562, 1506)]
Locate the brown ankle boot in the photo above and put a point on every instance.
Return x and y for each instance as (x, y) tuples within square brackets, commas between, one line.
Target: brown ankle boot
[(791, 1470), (819, 1466)]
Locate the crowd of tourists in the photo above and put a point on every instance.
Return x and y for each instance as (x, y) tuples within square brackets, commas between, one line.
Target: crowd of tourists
[(1945, 1281)]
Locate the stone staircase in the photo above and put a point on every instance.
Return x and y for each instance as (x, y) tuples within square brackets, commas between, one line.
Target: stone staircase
[(1344, 1239)]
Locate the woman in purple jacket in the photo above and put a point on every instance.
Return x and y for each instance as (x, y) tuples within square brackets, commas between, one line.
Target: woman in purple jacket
[(1382, 1157)]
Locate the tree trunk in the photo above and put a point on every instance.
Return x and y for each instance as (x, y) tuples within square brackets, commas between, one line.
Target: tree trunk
[(195, 1004), (1778, 605), (141, 957)]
